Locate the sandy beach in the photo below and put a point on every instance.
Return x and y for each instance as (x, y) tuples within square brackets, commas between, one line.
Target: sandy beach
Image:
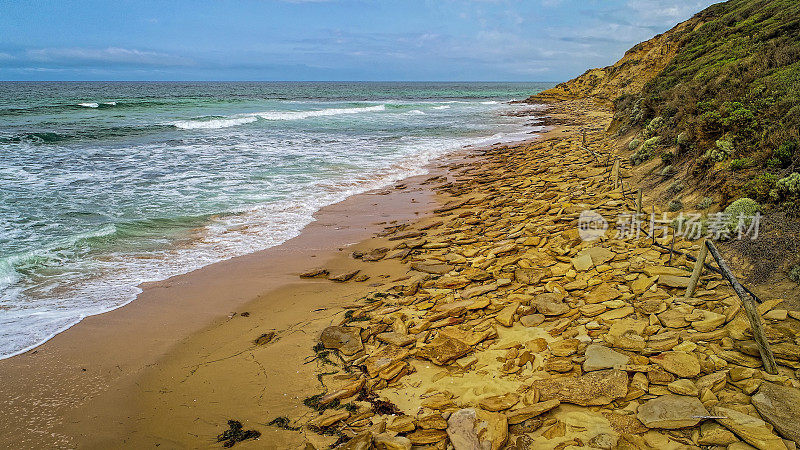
[(87, 389)]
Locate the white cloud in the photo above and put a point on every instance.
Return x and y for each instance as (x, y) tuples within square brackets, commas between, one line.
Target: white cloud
[(110, 55)]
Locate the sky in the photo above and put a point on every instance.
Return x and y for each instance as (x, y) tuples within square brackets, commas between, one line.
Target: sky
[(316, 40)]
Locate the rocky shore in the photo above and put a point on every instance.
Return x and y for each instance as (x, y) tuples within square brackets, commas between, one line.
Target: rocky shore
[(510, 331)]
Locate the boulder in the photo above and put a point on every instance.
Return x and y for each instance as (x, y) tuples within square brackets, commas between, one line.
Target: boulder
[(398, 339), (506, 315), (471, 429), (532, 320), (435, 269), (385, 441), (602, 293)]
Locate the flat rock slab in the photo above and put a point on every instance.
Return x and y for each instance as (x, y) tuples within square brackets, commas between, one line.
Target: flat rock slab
[(345, 339), (671, 411), (751, 429), (593, 389), (550, 304), (682, 364), (780, 406), (443, 350), (673, 281), (522, 414), (436, 269), (599, 357), (400, 340)]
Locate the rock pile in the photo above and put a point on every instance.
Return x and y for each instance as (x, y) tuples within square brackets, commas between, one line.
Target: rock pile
[(512, 332)]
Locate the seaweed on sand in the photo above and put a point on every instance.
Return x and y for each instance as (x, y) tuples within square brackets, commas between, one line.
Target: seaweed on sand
[(236, 433), (284, 423)]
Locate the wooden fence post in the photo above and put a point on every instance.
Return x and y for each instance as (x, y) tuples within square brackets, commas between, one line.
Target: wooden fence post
[(698, 269), (639, 203), (750, 309)]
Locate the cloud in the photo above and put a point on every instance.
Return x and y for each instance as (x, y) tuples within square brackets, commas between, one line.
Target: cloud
[(5, 56), (112, 55)]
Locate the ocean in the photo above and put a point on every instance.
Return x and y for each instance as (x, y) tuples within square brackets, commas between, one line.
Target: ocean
[(104, 186)]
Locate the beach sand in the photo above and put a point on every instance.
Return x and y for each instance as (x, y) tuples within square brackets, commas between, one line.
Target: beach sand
[(106, 381)]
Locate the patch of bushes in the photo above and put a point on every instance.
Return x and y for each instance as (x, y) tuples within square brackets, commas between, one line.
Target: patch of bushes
[(759, 187), (735, 73), (667, 171), (634, 144), (783, 155), (682, 140), (787, 187)]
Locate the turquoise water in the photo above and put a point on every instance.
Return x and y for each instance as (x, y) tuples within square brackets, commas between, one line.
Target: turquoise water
[(104, 186)]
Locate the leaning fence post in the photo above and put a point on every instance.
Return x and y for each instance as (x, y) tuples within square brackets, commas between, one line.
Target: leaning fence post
[(750, 309), (698, 269)]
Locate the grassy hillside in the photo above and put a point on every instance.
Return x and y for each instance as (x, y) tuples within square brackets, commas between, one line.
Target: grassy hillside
[(717, 98), (728, 102)]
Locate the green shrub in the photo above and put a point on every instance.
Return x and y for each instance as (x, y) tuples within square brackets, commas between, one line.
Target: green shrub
[(759, 187), (740, 163), (675, 205), (785, 153), (738, 116), (653, 126), (794, 273), (645, 151), (667, 171), (675, 188), (787, 187), (744, 207), (634, 144), (682, 140), (705, 203), (722, 150), (667, 158)]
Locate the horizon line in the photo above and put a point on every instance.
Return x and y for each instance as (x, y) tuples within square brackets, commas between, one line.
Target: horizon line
[(279, 81)]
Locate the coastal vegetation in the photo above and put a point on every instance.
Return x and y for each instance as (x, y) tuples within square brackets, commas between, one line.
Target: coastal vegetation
[(729, 98)]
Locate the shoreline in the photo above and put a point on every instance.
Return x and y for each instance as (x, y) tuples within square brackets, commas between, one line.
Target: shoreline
[(83, 366)]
